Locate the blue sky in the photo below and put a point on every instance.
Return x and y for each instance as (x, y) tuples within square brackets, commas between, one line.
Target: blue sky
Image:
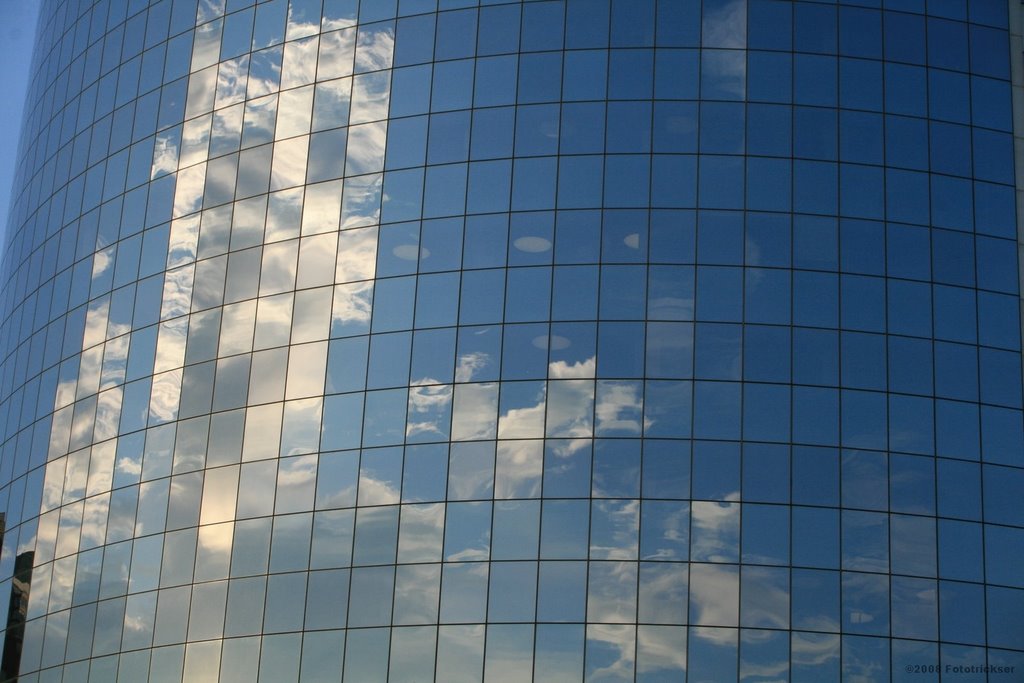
[(17, 33)]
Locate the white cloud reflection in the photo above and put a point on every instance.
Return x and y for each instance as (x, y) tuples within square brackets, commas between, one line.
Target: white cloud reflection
[(725, 24), (661, 649), (620, 408), (714, 600), (429, 409), (469, 364), (617, 642)]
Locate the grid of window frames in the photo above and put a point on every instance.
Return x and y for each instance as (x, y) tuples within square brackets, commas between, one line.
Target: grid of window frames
[(575, 340)]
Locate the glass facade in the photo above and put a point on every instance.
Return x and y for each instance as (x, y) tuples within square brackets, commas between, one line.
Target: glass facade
[(560, 340)]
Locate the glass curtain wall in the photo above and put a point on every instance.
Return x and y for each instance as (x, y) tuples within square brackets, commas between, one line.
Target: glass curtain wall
[(560, 340)]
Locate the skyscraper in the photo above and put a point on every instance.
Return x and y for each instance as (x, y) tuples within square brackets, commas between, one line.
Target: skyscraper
[(559, 340)]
